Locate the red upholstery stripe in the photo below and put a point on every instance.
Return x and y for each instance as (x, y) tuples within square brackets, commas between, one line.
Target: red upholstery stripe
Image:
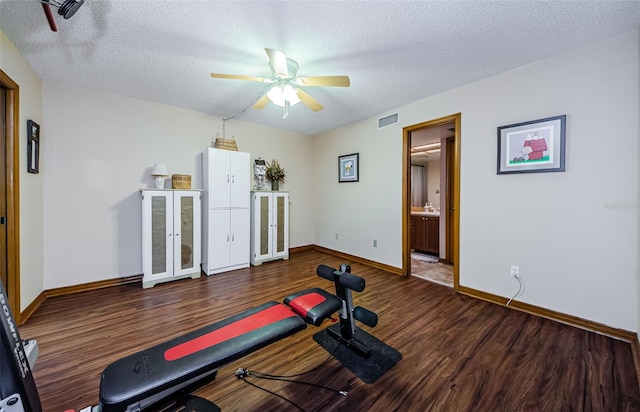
[(303, 304), (249, 324)]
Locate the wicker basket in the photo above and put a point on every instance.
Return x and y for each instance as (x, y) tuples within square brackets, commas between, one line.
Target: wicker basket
[(226, 144), (181, 181)]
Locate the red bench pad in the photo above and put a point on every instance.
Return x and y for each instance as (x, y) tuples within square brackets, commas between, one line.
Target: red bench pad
[(314, 305), (149, 372)]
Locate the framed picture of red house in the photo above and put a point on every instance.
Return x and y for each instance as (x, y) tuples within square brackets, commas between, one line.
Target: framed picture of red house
[(532, 147)]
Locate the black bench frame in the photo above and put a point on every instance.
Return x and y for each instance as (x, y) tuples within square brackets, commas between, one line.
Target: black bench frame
[(171, 370)]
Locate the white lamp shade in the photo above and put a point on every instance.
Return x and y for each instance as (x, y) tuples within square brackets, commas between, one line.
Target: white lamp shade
[(160, 169)]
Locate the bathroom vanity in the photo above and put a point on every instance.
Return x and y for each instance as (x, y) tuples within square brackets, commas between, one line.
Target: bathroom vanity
[(425, 232)]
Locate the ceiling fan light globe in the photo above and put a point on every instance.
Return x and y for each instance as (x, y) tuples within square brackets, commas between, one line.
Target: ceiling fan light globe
[(276, 95), (290, 94), (280, 94)]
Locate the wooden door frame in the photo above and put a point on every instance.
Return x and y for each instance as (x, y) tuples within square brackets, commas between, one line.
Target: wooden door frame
[(12, 132), (453, 212)]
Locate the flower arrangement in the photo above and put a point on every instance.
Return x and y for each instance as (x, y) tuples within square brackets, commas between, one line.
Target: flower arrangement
[(275, 172)]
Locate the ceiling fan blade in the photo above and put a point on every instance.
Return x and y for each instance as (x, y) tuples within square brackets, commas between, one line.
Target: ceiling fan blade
[(340, 81), (47, 12), (278, 62), (309, 101), (260, 104), (240, 77)]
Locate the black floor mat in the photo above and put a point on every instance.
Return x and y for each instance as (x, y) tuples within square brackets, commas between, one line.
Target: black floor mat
[(382, 358)]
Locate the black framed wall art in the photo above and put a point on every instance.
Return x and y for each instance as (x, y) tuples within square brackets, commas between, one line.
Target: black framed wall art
[(33, 147), (348, 168)]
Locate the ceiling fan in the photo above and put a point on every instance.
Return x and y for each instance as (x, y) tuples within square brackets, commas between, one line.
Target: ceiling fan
[(66, 8), (285, 88)]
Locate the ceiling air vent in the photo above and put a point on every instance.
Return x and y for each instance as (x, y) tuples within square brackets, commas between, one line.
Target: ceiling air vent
[(388, 120)]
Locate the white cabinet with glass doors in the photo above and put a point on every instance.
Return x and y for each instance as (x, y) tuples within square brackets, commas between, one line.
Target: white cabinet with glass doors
[(269, 226), (171, 235)]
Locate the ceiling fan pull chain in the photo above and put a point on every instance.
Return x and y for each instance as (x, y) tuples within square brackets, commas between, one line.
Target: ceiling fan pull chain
[(286, 109)]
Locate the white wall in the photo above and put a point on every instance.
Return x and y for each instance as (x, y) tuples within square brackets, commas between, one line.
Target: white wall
[(99, 150), (362, 211), (31, 185), (433, 182), (573, 234)]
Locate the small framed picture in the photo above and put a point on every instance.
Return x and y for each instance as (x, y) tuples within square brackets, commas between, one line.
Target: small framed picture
[(532, 147), (348, 166), (33, 147)]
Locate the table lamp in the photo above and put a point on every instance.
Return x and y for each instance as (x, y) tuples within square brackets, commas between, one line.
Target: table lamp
[(160, 172)]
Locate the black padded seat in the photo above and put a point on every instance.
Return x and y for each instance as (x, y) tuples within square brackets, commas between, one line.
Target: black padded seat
[(153, 374), (314, 305)]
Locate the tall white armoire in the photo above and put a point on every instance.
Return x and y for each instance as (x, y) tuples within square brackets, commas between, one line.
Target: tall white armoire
[(226, 183)]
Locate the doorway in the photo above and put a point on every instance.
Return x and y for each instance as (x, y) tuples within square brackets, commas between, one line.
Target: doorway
[(9, 189), (449, 198)]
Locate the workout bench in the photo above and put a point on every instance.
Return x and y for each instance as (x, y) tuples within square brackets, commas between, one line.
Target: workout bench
[(166, 373)]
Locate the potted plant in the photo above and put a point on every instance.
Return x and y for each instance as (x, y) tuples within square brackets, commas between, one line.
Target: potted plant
[(275, 173)]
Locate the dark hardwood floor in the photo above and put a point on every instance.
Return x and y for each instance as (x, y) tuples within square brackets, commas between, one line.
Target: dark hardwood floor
[(459, 353)]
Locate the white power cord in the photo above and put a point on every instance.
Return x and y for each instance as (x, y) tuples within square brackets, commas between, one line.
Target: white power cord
[(243, 111), (519, 289)]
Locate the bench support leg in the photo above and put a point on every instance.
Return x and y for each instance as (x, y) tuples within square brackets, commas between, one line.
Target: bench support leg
[(351, 343)]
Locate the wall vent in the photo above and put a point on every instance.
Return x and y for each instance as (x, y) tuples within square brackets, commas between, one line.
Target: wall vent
[(388, 120)]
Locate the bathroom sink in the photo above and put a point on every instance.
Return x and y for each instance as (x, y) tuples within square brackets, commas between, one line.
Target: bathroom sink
[(429, 214)]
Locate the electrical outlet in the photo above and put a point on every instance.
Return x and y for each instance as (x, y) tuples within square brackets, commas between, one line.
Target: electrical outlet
[(336, 235), (515, 271), (375, 243)]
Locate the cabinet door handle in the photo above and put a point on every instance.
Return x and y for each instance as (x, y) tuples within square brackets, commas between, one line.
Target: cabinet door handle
[(227, 178), (233, 178), (233, 237), (227, 237)]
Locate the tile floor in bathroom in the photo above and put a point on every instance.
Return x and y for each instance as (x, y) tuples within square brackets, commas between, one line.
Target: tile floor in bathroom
[(440, 273)]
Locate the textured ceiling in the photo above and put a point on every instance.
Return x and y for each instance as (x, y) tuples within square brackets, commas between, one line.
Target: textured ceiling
[(395, 52)]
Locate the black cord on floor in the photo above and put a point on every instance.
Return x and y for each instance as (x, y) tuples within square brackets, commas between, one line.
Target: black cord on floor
[(277, 378), (273, 393), (243, 373)]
